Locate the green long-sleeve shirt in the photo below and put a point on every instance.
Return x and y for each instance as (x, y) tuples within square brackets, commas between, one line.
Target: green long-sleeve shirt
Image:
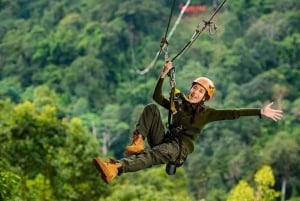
[(207, 115)]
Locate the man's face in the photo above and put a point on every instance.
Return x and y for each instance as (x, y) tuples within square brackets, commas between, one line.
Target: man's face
[(197, 93)]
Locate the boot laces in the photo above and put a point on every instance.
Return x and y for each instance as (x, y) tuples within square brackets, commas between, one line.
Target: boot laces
[(135, 136), (113, 161)]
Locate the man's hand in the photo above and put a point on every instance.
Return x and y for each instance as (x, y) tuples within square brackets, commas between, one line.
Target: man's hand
[(167, 67), (271, 113)]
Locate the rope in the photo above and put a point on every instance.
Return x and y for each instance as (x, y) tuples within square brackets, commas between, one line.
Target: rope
[(199, 30), (164, 39), (167, 36)]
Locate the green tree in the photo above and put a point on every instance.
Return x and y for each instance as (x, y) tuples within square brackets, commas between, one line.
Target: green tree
[(264, 180), (43, 148), (282, 152), (86, 76), (160, 187), (10, 89), (39, 189), (9, 183), (75, 177), (243, 191)]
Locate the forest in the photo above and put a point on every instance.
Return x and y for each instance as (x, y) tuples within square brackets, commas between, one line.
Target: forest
[(75, 76)]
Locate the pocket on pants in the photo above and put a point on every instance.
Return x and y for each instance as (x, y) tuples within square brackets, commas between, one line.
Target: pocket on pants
[(182, 156), (179, 154)]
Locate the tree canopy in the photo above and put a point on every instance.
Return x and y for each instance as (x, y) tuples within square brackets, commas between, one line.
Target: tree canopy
[(70, 90)]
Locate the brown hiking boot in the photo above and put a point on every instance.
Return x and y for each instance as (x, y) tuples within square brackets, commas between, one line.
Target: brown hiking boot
[(109, 170), (137, 145)]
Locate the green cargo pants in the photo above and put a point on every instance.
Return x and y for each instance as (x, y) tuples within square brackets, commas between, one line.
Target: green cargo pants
[(151, 127)]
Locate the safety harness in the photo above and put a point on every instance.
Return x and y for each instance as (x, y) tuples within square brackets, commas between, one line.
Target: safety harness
[(176, 132)]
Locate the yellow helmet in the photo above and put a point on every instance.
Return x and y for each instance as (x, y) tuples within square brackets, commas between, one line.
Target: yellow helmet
[(207, 84)]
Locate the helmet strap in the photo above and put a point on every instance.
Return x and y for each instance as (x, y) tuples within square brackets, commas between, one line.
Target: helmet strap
[(205, 98)]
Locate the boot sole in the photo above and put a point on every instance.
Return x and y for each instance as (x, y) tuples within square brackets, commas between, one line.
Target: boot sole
[(99, 164)]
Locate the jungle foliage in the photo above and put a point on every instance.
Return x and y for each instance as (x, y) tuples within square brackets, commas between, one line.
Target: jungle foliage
[(70, 90)]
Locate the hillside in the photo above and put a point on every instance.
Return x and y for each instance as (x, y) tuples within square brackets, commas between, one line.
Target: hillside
[(70, 90)]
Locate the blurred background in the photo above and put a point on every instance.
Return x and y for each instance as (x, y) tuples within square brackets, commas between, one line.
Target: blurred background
[(71, 89)]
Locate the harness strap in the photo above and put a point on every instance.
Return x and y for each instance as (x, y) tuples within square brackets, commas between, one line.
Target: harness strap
[(176, 133)]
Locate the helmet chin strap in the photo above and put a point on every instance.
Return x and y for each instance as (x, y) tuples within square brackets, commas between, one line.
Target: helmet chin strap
[(205, 98)]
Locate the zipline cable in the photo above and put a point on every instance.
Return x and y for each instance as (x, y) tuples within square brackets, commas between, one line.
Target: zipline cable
[(196, 34), (199, 31), (167, 36)]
